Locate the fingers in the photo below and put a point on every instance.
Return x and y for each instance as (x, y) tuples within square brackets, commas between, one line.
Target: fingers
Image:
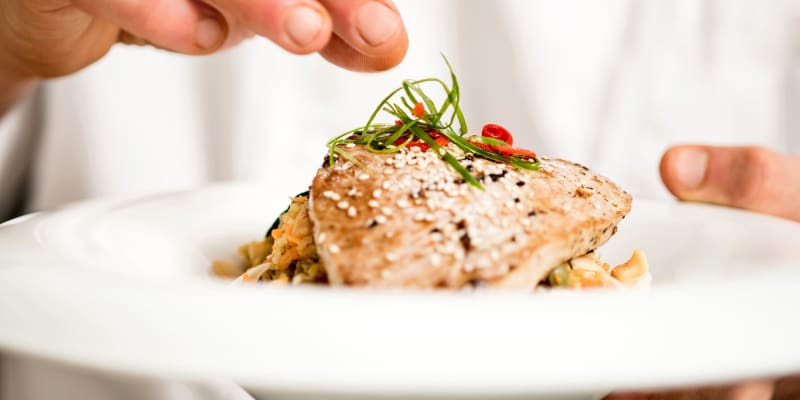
[(180, 25), (361, 35), (371, 27), (299, 26), (752, 390), (752, 178)]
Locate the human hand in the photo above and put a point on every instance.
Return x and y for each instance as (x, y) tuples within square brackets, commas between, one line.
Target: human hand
[(751, 178), (49, 38)]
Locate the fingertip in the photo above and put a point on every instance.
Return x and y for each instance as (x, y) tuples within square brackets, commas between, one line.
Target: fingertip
[(683, 169), (306, 28)]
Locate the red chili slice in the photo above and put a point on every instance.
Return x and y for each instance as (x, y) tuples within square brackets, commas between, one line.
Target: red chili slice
[(419, 110), (495, 131), (514, 151), (440, 139)]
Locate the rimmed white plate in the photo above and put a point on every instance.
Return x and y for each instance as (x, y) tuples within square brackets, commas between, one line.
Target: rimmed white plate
[(126, 287)]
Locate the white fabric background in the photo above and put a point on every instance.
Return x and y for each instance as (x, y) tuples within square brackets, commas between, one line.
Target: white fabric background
[(609, 84)]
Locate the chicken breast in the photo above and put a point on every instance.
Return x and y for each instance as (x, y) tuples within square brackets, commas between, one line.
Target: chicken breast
[(408, 219)]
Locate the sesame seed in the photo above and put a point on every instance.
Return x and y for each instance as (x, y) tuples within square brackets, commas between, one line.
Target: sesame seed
[(372, 203), (388, 171), (333, 249), (353, 192), (350, 145), (429, 217), (436, 259), (342, 205), (403, 203), (351, 212), (321, 238), (391, 256), (386, 210), (363, 176), (376, 193), (386, 184), (419, 216), (331, 195), (380, 219), (436, 236)]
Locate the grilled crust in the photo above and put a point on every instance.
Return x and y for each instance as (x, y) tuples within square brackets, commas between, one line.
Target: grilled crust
[(409, 220)]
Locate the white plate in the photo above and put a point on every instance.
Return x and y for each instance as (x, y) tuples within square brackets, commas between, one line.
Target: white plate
[(125, 286)]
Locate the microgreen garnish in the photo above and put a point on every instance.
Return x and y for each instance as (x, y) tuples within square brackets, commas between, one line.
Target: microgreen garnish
[(420, 123)]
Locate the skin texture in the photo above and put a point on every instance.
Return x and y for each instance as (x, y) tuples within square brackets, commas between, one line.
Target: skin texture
[(52, 38), (752, 178)]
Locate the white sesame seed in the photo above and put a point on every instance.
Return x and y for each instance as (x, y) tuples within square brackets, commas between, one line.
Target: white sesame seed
[(321, 238), (373, 203), (429, 217), (376, 193), (380, 219), (436, 236), (469, 267), (386, 211), (386, 184), (388, 171), (403, 203), (333, 249), (436, 259), (350, 145), (353, 192), (342, 205), (494, 254), (351, 212), (363, 176), (419, 216), (331, 195), (391, 256)]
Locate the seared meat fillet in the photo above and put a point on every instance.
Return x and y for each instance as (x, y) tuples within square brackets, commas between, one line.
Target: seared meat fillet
[(408, 219)]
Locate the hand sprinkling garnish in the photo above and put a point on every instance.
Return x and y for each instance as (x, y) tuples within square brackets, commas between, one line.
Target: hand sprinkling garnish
[(419, 123)]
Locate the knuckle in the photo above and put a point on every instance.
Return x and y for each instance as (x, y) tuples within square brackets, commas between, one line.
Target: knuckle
[(758, 170)]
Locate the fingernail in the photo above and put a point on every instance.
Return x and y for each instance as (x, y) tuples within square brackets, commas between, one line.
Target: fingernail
[(690, 167), (208, 34), (376, 23), (303, 24)]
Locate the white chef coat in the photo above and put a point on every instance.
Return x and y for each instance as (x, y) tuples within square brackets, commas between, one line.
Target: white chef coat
[(608, 84)]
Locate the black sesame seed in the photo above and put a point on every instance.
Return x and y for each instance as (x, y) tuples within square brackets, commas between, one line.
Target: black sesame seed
[(466, 242), (436, 230), (372, 223), (495, 177), (532, 213), (520, 183), (516, 200), (462, 224)]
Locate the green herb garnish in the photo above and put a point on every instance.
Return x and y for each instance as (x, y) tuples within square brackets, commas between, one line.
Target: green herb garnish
[(417, 117)]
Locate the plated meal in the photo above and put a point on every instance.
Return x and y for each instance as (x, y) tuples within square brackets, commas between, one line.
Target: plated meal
[(420, 202)]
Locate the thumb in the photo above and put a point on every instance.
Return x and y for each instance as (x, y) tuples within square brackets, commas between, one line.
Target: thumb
[(752, 178)]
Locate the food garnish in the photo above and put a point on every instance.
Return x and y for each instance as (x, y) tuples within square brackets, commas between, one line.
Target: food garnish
[(420, 123)]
